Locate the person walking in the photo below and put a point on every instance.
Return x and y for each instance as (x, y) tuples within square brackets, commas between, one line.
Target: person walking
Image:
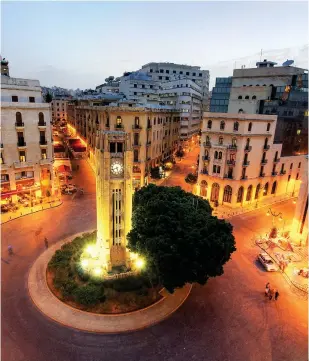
[(10, 249), (271, 294), (46, 243), (276, 295), (267, 288)]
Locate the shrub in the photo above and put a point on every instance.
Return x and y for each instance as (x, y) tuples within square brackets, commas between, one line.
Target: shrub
[(83, 276), (60, 259), (61, 277), (68, 288), (89, 295), (127, 284)]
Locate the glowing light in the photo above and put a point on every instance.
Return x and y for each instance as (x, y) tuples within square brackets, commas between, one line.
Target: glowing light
[(139, 263), (98, 271), (268, 213), (85, 263), (91, 249), (280, 218), (294, 201)]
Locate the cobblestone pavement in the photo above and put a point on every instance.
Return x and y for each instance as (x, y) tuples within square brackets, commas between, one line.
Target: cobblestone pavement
[(228, 319)]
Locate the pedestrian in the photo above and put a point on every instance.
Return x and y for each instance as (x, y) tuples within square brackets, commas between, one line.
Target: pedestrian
[(10, 249), (46, 243), (271, 294), (276, 295), (267, 288)]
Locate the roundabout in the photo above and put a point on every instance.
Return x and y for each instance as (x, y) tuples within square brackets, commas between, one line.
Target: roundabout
[(60, 312)]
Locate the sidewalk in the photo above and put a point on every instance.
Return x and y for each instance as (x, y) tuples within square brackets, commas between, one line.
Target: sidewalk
[(68, 316), (24, 211)]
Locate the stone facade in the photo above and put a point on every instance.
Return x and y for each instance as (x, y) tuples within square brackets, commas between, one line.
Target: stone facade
[(59, 110)]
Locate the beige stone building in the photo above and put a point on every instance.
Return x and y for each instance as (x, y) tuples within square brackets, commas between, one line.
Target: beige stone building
[(154, 133), (26, 146), (239, 162), (59, 109)]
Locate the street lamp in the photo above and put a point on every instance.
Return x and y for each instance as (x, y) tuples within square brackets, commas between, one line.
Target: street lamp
[(274, 215)]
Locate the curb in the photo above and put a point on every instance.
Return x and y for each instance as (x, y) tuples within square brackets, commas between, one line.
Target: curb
[(56, 310), (28, 214)]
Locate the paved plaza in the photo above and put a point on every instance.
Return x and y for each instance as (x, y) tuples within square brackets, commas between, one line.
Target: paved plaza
[(228, 319)]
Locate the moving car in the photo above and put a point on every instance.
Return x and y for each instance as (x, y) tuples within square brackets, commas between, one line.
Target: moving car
[(267, 262)]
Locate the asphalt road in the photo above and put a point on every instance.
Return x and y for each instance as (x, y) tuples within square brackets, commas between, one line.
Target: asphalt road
[(226, 320)]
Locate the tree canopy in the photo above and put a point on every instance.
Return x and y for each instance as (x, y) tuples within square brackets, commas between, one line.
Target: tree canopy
[(48, 97), (178, 237)]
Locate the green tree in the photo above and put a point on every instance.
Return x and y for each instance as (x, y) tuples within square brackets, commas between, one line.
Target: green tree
[(178, 236), (48, 98)]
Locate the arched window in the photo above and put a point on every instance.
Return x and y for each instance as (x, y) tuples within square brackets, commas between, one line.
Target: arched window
[(236, 126), (18, 118), (220, 155), (203, 190), (250, 127), (216, 155), (265, 189), (206, 153), (240, 194), (97, 119), (234, 142), (119, 122), (274, 187), (209, 124), (240, 97), (254, 97), (220, 140), (222, 125), (227, 195), (207, 139), (266, 142), (268, 127), (249, 193), (276, 156), (136, 121), (215, 189), (247, 97), (257, 191), (41, 118), (248, 142), (240, 110)]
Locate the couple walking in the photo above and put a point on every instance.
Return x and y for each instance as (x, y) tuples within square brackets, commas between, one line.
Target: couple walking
[(271, 293)]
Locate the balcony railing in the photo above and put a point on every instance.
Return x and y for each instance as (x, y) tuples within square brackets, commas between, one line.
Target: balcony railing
[(231, 162), (136, 127), (149, 126), (204, 171), (207, 144), (276, 160), (42, 124), (21, 143), (205, 157), (266, 147), (244, 177), (262, 175), (232, 147), (246, 163), (227, 176), (274, 173), (283, 172), (19, 124), (119, 126), (136, 144), (148, 143), (264, 161), (248, 148)]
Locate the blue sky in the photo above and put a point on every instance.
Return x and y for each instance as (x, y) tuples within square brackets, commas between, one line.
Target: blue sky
[(79, 44)]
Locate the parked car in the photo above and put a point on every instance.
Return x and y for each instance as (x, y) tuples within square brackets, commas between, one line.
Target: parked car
[(267, 262)]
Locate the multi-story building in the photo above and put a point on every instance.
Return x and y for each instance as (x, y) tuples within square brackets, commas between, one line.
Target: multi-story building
[(59, 109), (26, 145), (270, 89), (170, 71), (220, 95), (154, 133), (111, 85), (240, 163), (185, 96)]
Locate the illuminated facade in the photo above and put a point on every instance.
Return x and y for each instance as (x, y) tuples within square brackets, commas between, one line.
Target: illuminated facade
[(114, 159), (239, 162), (59, 109), (26, 146), (154, 133)]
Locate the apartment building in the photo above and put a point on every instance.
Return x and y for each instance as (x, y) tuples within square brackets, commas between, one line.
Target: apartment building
[(154, 133), (239, 162), (59, 109), (26, 145), (185, 96), (170, 71)]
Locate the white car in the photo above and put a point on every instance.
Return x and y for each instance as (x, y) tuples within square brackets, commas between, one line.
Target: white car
[(267, 262)]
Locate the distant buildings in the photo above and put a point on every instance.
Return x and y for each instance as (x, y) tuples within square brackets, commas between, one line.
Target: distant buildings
[(26, 145)]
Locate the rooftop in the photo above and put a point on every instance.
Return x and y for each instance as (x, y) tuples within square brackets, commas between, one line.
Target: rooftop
[(171, 65), (8, 82), (240, 116)]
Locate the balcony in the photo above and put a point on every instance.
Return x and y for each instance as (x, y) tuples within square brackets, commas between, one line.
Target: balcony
[(245, 164), (244, 177), (207, 144), (22, 164), (21, 144), (107, 126), (204, 171), (228, 176), (232, 147), (43, 142), (274, 173), (248, 148), (205, 157), (149, 126), (45, 161), (262, 175), (42, 125), (19, 125), (148, 143), (276, 160), (136, 145), (266, 147), (264, 161), (118, 127), (136, 128), (283, 172), (231, 162), (136, 161)]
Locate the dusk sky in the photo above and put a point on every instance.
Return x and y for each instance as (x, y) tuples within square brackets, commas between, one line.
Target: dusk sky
[(79, 44)]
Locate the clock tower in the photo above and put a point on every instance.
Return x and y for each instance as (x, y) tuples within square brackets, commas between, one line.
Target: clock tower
[(114, 164)]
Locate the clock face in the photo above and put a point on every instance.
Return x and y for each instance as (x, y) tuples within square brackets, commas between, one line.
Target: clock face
[(116, 167)]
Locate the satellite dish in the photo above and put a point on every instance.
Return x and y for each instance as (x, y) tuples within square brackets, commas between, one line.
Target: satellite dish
[(288, 62)]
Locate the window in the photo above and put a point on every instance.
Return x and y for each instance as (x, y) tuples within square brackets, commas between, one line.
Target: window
[(299, 164), (291, 166), (222, 125), (268, 127), (187, 73), (135, 93), (174, 71), (118, 122), (265, 189), (240, 110), (200, 74), (135, 155), (193, 74), (161, 70), (254, 97), (249, 193), (289, 177), (234, 142), (19, 118), (247, 97), (220, 155), (14, 98), (180, 72), (250, 127), (167, 78), (240, 194), (209, 124), (151, 70), (150, 86), (44, 153), (274, 187), (214, 169), (22, 156), (203, 189), (160, 77), (154, 121), (216, 155), (236, 126), (220, 140), (240, 97), (41, 118), (31, 99), (257, 191), (227, 195), (143, 86), (135, 85)]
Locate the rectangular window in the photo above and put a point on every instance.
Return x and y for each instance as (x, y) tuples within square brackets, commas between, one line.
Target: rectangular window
[(161, 71), (143, 86), (180, 72), (200, 74), (112, 147), (151, 86), (160, 77), (297, 175), (14, 98), (31, 99), (44, 153), (174, 71), (167, 71), (135, 85), (214, 169), (299, 164), (187, 73), (5, 178), (167, 77), (151, 70), (22, 156), (291, 166)]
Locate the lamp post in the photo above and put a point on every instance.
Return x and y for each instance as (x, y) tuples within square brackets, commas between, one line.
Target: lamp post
[(275, 215)]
